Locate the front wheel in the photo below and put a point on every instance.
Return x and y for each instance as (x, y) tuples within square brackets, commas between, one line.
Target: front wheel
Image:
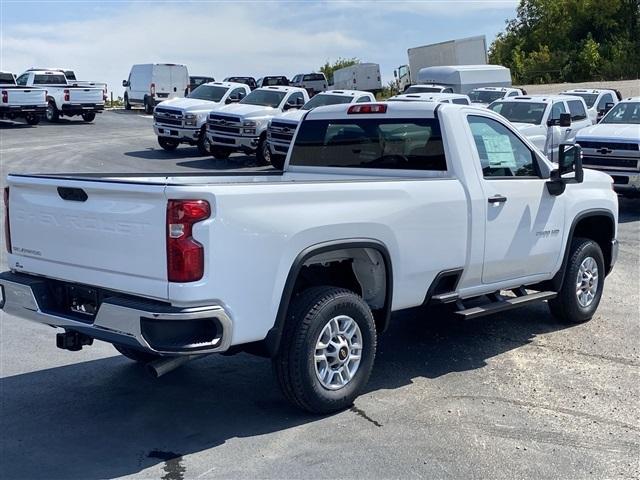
[(52, 113), (169, 144), (136, 355), (582, 285), (263, 154), (89, 116), (219, 153), (127, 105), (327, 350), (32, 119), (204, 145)]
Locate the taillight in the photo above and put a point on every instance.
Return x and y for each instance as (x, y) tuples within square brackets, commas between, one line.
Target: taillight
[(185, 256), (152, 89), (7, 232), (5, 96), (368, 108), (67, 97)]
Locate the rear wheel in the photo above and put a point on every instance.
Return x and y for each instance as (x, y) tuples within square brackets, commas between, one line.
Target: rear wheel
[(89, 116), (327, 350), (204, 145), (169, 144), (127, 105), (136, 355), (32, 119), (52, 113), (583, 283), (220, 153)]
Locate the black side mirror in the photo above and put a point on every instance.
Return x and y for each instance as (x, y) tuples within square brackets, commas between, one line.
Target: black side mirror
[(565, 119), (291, 104), (235, 98), (608, 106), (299, 102), (569, 161), (125, 83), (395, 73)]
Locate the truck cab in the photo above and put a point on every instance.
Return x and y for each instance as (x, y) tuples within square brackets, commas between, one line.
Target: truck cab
[(613, 146), (183, 120), (598, 101), (547, 120), (242, 127), (483, 96), (282, 127)]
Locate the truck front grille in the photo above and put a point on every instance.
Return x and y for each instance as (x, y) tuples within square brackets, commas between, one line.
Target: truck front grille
[(626, 163), (282, 131), (610, 145), (168, 116), (224, 124)]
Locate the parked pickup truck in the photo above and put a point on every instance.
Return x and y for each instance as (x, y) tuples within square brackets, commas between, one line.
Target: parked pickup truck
[(64, 98), (547, 120), (19, 102), (184, 120), (281, 128), (598, 101), (72, 79), (483, 96), (243, 127), (381, 207), (613, 146)]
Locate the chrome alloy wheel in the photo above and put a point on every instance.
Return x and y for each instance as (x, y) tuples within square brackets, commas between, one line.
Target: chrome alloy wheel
[(587, 282), (338, 352)]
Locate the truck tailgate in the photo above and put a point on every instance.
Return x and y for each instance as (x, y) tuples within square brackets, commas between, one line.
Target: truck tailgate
[(115, 238), (86, 95), (26, 96)]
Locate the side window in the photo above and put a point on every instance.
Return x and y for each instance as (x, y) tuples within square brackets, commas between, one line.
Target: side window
[(447, 90), (460, 101), (364, 100), (502, 153), (22, 79), (606, 98), (576, 108), (241, 92), (296, 98), (557, 109), (513, 94)]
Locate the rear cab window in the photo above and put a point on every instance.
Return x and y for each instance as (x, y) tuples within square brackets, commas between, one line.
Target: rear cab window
[(391, 144), (6, 78), (55, 79)]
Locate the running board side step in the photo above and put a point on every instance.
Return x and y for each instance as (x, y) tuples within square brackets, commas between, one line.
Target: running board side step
[(502, 304)]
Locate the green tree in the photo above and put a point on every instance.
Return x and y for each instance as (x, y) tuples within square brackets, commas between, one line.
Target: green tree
[(328, 68), (571, 40)]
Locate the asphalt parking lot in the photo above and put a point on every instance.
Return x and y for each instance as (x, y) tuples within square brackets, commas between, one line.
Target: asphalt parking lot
[(509, 396)]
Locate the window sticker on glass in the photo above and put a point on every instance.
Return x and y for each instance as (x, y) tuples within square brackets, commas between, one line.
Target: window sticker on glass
[(499, 151)]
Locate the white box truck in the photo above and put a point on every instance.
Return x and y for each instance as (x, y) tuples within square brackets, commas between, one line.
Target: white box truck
[(463, 51), (361, 76)]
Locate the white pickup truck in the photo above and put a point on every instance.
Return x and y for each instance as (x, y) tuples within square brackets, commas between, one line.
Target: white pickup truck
[(547, 120), (458, 98), (483, 96), (613, 146), (242, 127), (64, 98), (184, 120), (599, 101), (282, 127), (381, 207), (20, 102)]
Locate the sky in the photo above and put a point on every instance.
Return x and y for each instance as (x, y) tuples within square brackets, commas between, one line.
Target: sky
[(100, 40)]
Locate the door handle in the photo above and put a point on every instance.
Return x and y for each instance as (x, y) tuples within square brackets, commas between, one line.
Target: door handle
[(497, 199)]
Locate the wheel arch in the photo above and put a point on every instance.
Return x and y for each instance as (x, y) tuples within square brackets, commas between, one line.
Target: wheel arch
[(316, 255)]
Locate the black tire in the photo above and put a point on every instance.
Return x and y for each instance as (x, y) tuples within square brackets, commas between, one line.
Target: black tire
[(127, 105), (294, 364), (204, 146), (32, 119), (52, 113), (220, 153), (136, 355), (277, 161), (89, 116), (566, 307), (148, 106), (169, 144), (263, 155)]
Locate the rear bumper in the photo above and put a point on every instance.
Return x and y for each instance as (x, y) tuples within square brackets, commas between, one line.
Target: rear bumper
[(136, 322), (23, 109), (80, 108)]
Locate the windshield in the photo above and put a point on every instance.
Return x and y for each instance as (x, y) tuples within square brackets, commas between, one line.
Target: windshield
[(265, 98), (485, 96), (627, 112), (208, 92), (322, 100), (589, 98), (520, 112), (7, 78), (419, 89)]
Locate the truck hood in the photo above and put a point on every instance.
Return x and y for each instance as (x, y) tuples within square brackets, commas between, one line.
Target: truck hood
[(249, 111), (293, 116), (610, 131), (189, 104)]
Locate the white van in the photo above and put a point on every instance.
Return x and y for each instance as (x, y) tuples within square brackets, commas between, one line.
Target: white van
[(151, 83)]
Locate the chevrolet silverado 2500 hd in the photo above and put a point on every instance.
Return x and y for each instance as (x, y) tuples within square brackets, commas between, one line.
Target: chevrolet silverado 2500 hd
[(184, 120), (64, 98), (598, 101), (613, 146), (20, 102), (547, 120), (242, 127), (282, 127), (381, 207)]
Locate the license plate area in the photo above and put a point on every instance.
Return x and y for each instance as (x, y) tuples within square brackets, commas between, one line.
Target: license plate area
[(79, 302)]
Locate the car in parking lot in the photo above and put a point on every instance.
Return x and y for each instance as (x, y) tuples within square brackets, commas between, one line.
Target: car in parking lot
[(183, 120), (598, 100), (546, 120), (151, 83), (20, 102), (312, 82), (381, 207)]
